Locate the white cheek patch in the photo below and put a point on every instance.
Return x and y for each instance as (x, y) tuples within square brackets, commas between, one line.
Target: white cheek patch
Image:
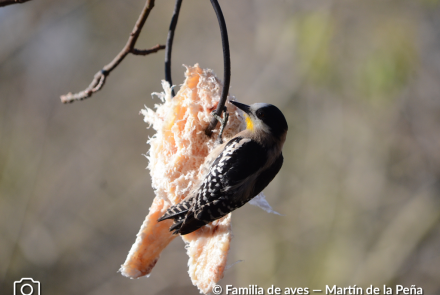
[(260, 126)]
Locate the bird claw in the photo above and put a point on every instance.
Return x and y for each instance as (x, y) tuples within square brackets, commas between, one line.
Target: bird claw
[(223, 123)]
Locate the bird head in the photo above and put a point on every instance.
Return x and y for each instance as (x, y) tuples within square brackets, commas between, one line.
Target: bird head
[(264, 117)]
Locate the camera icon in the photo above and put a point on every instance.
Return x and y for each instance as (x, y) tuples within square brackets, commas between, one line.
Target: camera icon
[(27, 286)]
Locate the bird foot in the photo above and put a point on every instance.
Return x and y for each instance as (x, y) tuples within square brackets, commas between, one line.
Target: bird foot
[(223, 123)]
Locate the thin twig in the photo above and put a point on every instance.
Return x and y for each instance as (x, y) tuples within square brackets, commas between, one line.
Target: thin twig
[(226, 65), (169, 46), (147, 51), (9, 2), (100, 77)]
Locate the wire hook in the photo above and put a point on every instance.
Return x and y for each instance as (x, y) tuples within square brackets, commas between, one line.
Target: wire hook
[(226, 66), (226, 58), (169, 45)]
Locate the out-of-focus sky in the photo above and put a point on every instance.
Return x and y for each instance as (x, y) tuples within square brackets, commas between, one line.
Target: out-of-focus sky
[(359, 191)]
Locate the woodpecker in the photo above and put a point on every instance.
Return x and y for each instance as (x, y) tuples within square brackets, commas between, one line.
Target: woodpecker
[(235, 171)]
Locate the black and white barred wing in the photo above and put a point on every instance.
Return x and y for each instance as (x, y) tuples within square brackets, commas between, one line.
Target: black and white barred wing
[(233, 179), (225, 187)]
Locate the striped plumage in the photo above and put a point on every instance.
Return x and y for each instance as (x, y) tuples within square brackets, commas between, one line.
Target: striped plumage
[(237, 170)]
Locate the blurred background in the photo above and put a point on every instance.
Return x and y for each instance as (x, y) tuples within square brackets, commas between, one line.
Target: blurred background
[(359, 83)]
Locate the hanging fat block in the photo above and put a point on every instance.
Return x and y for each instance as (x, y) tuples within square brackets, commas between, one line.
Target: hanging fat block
[(176, 156)]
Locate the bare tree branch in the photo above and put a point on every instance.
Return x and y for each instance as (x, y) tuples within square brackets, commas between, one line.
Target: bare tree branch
[(9, 2), (147, 51), (100, 77)]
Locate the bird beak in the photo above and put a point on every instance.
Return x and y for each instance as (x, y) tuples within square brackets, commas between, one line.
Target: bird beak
[(245, 108)]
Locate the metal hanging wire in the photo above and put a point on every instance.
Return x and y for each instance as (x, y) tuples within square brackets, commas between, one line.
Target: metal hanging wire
[(169, 45), (226, 58)]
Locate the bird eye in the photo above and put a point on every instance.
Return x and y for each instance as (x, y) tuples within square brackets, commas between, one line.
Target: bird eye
[(260, 114)]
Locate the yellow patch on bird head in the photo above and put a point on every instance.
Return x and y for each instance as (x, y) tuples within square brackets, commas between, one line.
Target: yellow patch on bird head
[(249, 123)]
